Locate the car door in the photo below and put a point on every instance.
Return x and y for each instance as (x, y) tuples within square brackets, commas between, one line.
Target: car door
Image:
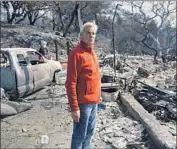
[(41, 69), (7, 71), (24, 74)]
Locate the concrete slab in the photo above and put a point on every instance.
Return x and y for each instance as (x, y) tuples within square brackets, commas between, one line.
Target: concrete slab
[(157, 132)]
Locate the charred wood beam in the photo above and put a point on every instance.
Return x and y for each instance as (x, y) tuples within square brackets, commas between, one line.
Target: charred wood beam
[(155, 89), (128, 65)]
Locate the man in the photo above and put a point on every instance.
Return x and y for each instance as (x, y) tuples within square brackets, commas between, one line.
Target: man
[(43, 49), (83, 87)]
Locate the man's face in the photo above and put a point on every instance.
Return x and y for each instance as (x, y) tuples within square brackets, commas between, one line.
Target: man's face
[(88, 36)]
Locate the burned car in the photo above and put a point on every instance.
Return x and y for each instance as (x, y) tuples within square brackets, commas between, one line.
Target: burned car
[(25, 70)]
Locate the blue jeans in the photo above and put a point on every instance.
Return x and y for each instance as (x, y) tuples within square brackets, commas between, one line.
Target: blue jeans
[(83, 130)]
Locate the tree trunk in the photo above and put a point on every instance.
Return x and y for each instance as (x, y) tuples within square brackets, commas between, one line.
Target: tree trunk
[(96, 18), (79, 19), (156, 41), (24, 17), (61, 20), (6, 6), (156, 53), (72, 19), (56, 49)]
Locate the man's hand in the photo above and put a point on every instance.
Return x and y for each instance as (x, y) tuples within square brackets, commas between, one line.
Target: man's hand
[(101, 99), (75, 115)]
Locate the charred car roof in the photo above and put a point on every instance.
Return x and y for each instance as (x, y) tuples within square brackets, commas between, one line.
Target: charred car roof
[(17, 49)]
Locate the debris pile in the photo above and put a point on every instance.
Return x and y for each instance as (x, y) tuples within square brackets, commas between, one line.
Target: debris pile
[(11, 107), (119, 130), (162, 105)]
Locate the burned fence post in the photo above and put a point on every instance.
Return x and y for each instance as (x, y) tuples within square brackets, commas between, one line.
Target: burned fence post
[(67, 46), (56, 49)]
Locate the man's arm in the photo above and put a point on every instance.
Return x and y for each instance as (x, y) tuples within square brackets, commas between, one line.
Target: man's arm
[(71, 81)]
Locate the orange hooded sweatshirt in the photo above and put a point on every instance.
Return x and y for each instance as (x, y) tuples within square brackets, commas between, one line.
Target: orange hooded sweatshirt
[(83, 77)]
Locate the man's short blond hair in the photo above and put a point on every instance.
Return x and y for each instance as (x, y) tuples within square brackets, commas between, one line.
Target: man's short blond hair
[(89, 24)]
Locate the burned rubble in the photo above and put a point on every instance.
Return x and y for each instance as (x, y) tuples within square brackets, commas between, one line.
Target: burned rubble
[(152, 85), (9, 108), (161, 105), (118, 129)]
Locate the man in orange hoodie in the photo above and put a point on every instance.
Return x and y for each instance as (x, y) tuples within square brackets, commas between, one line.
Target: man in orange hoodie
[(83, 87)]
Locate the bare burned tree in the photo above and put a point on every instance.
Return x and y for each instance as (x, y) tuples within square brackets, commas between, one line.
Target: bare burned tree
[(57, 16), (78, 20), (73, 15), (69, 16), (160, 10), (35, 10), (18, 10), (64, 18)]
